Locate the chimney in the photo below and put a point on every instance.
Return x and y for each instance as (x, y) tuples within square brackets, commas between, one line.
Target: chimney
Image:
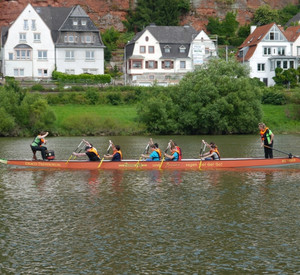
[(252, 29)]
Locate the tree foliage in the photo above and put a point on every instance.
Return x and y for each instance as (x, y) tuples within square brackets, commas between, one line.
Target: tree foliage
[(23, 113), (225, 29), (286, 78), (265, 15), (219, 98), (160, 12)]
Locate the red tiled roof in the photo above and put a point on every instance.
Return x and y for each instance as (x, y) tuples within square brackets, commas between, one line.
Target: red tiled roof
[(292, 33)]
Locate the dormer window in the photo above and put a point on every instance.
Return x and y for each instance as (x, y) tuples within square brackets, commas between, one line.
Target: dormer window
[(167, 49), (83, 22), (75, 22), (182, 49)]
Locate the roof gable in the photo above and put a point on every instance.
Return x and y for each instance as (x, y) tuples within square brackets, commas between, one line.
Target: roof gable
[(292, 33)]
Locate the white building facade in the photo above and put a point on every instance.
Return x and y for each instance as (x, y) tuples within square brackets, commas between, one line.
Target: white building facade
[(162, 55), (31, 47), (266, 49)]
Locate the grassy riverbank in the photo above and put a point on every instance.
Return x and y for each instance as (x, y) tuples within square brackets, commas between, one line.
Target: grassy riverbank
[(122, 120)]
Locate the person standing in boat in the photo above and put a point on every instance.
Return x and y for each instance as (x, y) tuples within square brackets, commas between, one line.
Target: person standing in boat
[(267, 140), (116, 155), (213, 153), (90, 151), (37, 145), (155, 154)]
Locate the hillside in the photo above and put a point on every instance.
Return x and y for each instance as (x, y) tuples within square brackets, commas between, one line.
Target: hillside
[(107, 13)]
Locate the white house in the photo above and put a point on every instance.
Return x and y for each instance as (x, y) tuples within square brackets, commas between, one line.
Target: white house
[(44, 38), (164, 54), (266, 49)]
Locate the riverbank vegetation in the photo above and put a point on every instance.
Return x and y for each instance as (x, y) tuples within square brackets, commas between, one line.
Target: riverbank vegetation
[(217, 99)]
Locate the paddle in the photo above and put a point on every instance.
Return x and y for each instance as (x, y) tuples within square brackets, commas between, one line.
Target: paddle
[(289, 154), (110, 143), (75, 151), (169, 145), (145, 151), (202, 150)]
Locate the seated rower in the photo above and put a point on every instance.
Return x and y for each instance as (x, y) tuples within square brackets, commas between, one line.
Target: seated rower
[(90, 151), (173, 144), (155, 154), (174, 155), (213, 153), (116, 155)]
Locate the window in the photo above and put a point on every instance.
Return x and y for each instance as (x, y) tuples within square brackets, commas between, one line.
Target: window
[(22, 37), (151, 49), (298, 50), (167, 64), (142, 49), (291, 64), (261, 67), (285, 64), (86, 39), (137, 64), (42, 72), (281, 50), (90, 71), (147, 38), (83, 22), (37, 37), (182, 64), (33, 26), (42, 55), (272, 65), (71, 39), (69, 55), (182, 49), (89, 55), (274, 35), (267, 51), (10, 56), (167, 49), (25, 26), (278, 64), (19, 72), (23, 54), (75, 22), (151, 64), (206, 51), (151, 77)]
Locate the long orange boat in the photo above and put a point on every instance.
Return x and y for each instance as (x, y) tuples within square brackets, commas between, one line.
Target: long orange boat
[(185, 164)]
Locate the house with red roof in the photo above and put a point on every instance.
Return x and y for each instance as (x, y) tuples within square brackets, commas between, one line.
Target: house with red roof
[(266, 48)]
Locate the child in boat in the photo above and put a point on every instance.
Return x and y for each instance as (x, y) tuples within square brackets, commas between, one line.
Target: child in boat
[(213, 153)]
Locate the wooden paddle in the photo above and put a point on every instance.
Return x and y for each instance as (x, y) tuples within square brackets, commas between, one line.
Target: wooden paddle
[(145, 151), (202, 150), (169, 145), (75, 151), (110, 143), (289, 154)]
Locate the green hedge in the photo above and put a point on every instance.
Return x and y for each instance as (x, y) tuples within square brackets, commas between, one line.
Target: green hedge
[(81, 78)]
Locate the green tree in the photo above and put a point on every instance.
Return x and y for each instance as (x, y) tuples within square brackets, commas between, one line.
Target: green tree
[(218, 98), (265, 15), (287, 13), (110, 37), (287, 78), (160, 12)]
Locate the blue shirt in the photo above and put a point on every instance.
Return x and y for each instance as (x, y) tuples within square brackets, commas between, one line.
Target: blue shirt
[(154, 156)]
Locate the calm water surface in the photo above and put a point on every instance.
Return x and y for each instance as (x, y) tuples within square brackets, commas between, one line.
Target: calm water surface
[(150, 222)]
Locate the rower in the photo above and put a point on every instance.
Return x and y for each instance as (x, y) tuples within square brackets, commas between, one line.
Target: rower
[(116, 155), (155, 154), (90, 151), (213, 153), (174, 155)]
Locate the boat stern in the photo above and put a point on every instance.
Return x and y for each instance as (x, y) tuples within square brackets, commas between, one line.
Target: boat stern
[(4, 161)]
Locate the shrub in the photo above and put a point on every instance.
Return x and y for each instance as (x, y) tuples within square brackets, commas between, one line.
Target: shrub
[(273, 96), (37, 87)]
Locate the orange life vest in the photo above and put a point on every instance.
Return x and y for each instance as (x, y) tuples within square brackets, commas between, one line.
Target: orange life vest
[(215, 150), (94, 150), (262, 133), (157, 150), (119, 153), (178, 150)]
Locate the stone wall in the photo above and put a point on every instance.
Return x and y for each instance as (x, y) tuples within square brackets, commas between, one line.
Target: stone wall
[(108, 13)]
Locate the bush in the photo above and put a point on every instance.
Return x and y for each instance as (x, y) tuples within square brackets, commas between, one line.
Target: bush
[(37, 87), (273, 97), (114, 98), (92, 95)]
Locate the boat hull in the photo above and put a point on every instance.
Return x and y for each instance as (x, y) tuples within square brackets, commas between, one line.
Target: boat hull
[(157, 165)]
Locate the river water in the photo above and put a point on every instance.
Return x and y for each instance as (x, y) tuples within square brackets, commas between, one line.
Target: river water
[(150, 222)]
